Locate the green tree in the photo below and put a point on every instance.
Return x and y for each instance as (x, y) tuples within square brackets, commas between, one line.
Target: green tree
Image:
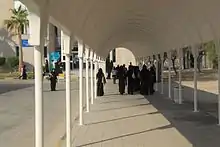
[(210, 50), (15, 24)]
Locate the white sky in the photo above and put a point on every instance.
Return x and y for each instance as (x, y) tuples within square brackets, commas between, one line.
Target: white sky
[(18, 3)]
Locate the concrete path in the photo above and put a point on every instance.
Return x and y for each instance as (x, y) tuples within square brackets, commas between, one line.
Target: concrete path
[(138, 121), (207, 95), (17, 113)]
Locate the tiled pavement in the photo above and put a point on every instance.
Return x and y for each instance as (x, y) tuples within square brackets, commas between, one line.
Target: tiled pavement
[(136, 121)]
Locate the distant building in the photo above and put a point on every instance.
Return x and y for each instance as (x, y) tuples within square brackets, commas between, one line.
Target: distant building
[(121, 56)]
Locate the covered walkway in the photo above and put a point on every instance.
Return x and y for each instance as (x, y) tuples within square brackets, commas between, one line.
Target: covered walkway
[(147, 27), (139, 121)]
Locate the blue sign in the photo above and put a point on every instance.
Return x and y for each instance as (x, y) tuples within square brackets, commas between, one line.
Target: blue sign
[(25, 43), (55, 56)]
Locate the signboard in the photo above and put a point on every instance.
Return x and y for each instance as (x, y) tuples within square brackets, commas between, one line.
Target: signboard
[(25, 43), (55, 56)]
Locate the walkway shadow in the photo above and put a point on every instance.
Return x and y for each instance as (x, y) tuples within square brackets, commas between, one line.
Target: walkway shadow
[(115, 101), (7, 87), (125, 135), (199, 128), (122, 118), (119, 108)]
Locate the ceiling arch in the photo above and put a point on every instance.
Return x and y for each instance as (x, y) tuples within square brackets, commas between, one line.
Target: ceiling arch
[(158, 25)]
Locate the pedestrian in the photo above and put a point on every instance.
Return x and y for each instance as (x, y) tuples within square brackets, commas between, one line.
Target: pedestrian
[(145, 80), (122, 80), (53, 80), (131, 79), (100, 82), (153, 78), (23, 74), (114, 75)]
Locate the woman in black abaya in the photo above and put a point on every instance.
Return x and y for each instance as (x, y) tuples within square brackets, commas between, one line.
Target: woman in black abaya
[(100, 82), (122, 80)]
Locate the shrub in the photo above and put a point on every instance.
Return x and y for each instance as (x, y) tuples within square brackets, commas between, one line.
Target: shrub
[(2, 61), (12, 62)]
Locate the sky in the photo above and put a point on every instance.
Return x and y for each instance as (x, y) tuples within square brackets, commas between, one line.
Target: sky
[(18, 3)]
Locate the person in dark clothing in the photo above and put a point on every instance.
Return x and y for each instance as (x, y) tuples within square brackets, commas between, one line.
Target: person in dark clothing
[(110, 69), (145, 80), (122, 79), (153, 78), (100, 82), (53, 81), (117, 70), (46, 66), (137, 78), (131, 79), (24, 73)]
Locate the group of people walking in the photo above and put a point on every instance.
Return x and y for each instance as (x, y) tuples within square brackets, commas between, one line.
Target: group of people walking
[(135, 79)]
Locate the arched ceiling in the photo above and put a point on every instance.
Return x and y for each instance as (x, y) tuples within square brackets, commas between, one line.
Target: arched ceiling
[(144, 26)]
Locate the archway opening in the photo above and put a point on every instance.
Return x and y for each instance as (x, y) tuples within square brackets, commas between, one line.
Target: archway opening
[(120, 56)]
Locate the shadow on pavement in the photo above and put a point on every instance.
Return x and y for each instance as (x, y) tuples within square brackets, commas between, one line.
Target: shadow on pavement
[(7, 87), (127, 135), (119, 108), (122, 118), (199, 128)]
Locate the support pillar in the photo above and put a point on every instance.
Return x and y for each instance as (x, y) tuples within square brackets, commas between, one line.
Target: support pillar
[(180, 74), (195, 95), (68, 102), (91, 77), (66, 51), (217, 47), (162, 81), (104, 67), (38, 50), (80, 48), (95, 72), (87, 80), (169, 78), (157, 74)]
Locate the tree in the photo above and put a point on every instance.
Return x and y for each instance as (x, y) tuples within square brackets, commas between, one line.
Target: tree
[(17, 22), (210, 50)]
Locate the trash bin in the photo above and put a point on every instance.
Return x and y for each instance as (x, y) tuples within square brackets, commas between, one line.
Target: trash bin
[(176, 95)]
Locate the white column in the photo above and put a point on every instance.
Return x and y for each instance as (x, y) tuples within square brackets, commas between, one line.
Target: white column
[(111, 56), (95, 72), (91, 77), (39, 135), (170, 82), (80, 48), (156, 85), (162, 92), (87, 80), (217, 47), (104, 67), (68, 102), (66, 51), (195, 97), (180, 74)]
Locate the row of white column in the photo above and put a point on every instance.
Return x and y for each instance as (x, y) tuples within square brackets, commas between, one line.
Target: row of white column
[(195, 90), (195, 53), (90, 56), (95, 63)]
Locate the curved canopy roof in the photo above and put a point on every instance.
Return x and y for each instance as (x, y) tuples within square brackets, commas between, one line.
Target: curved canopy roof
[(144, 26)]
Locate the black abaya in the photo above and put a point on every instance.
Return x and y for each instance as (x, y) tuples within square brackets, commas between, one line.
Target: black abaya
[(122, 78), (100, 84)]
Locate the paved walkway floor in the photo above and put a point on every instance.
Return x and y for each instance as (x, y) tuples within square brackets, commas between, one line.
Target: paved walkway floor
[(138, 121), (17, 113)]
